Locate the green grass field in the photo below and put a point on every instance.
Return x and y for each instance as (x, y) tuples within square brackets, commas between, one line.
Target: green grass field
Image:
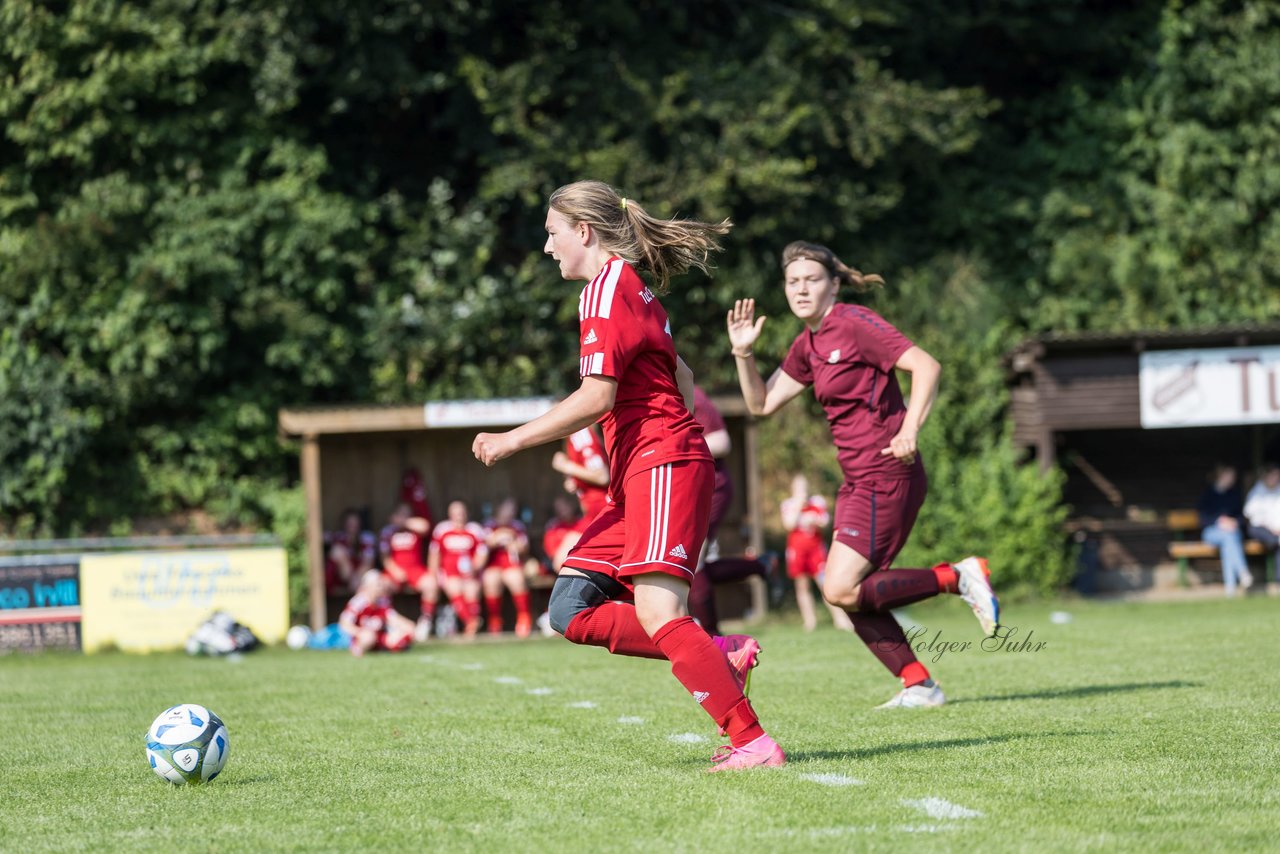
[(1138, 727)]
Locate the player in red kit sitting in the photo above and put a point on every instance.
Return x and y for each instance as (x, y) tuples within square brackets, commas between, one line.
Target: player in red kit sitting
[(457, 553), (804, 516), (508, 544), (371, 621), (585, 470), (563, 531), (625, 585), (403, 544), (850, 355)]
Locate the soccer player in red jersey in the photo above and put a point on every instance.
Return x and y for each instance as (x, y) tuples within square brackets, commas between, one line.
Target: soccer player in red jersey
[(804, 516), (457, 553), (563, 531), (403, 543), (371, 621), (625, 585), (849, 354), (508, 544), (585, 470)]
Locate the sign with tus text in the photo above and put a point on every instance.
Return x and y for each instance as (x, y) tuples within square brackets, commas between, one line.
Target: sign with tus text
[(145, 601), (39, 603), (1204, 388)]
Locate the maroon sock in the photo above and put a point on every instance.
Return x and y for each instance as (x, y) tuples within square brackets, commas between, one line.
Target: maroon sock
[(613, 626), (703, 670), (886, 640), (892, 588), (702, 602)]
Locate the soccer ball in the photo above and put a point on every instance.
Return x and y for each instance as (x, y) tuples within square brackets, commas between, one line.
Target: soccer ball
[(297, 637), (187, 744)]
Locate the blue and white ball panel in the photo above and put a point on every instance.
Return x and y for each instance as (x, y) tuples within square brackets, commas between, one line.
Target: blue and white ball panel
[(187, 744), (179, 724)]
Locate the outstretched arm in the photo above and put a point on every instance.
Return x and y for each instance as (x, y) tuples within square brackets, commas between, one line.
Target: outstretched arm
[(585, 406), (762, 398)]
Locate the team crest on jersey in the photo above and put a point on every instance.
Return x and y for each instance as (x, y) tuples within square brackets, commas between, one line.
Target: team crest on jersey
[(834, 357), (646, 295)]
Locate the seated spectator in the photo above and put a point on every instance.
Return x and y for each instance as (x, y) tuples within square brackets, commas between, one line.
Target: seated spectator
[(371, 621), (563, 531), (586, 470), (456, 554), (1222, 518), (403, 546), (1262, 508), (508, 544), (349, 554)]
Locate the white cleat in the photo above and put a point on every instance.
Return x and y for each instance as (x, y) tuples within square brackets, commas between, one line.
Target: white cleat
[(975, 589), (422, 631), (916, 697)]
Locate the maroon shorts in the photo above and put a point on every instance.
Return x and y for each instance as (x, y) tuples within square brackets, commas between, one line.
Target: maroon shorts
[(657, 524), (874, 517)]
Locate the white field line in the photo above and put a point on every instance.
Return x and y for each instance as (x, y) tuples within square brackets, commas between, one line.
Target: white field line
[(581, 704), (833, 780), (539, 692), (630, 719), (509, 680), (939, 808), (687, 738)]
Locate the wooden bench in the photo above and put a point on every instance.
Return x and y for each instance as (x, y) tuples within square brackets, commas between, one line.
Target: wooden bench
[(1182, 523)]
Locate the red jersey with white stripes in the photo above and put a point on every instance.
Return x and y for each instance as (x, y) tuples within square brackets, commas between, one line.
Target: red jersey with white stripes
[(403, 546), (584, 448), (507, 541), (625, 334), (461, 549), (850, 362)]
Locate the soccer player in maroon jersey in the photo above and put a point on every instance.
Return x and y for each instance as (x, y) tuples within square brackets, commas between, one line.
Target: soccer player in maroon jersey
[(508, 544), (349, 554), (585, 470), (457, 553), (625, 585), (403, 543), (849, 354)]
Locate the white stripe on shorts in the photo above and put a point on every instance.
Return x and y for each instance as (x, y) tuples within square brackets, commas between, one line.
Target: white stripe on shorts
[(659, 512)]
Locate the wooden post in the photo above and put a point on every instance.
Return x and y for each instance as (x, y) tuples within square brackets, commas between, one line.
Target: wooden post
[(315, 530), (751, 451)]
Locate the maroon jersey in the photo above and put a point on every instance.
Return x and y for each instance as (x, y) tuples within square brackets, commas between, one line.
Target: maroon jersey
[(849, 362), (625, 334), (584, 448)]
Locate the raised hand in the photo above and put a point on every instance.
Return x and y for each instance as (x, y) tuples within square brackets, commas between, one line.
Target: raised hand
[(744, 326)]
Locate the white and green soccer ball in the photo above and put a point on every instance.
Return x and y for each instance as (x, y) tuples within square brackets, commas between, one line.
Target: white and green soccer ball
[(187, 744)]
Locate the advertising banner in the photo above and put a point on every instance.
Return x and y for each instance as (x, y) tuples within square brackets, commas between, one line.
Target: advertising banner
[(1203, 388), (146, 601), (39, 603)]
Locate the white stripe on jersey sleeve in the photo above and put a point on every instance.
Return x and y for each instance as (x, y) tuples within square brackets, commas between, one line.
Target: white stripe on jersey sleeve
[(608, 286)]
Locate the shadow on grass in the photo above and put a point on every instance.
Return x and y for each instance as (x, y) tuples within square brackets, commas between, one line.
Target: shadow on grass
[(945, 744), (1078, 691)]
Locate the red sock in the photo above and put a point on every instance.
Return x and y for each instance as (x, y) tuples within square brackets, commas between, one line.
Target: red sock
[(892, 588), (913, 674), (521, 601), (703, 670), (428, 608), (462, 608), (613, 626), (493, 605), (947, 581)]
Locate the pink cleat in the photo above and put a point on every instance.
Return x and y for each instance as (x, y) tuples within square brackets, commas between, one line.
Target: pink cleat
[(764, 752), (743, 653)]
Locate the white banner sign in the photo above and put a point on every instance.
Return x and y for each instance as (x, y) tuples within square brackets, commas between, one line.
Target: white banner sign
[(499, 412), (1202, 388)]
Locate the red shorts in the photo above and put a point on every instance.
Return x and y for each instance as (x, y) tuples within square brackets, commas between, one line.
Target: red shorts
[(400, 645), (806, 554), (874, 518), (659, 524), (413, 575)]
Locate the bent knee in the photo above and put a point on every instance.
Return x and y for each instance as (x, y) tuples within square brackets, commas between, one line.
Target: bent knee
[(842, 597), (570, 596)]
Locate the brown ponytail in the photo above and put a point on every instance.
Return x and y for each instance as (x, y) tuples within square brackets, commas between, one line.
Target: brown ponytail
[(837, 269), (663, 247)]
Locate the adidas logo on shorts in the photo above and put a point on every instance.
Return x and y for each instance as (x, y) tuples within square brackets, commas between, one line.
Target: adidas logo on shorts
[(680, 554), (591, 337), (701, 696)]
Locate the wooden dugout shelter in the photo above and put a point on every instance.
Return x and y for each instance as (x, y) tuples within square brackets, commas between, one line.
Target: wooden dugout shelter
[(355, 456), (1137, 420)]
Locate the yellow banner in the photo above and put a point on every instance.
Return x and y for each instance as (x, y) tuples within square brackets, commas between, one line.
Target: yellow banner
[(145, 601)]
